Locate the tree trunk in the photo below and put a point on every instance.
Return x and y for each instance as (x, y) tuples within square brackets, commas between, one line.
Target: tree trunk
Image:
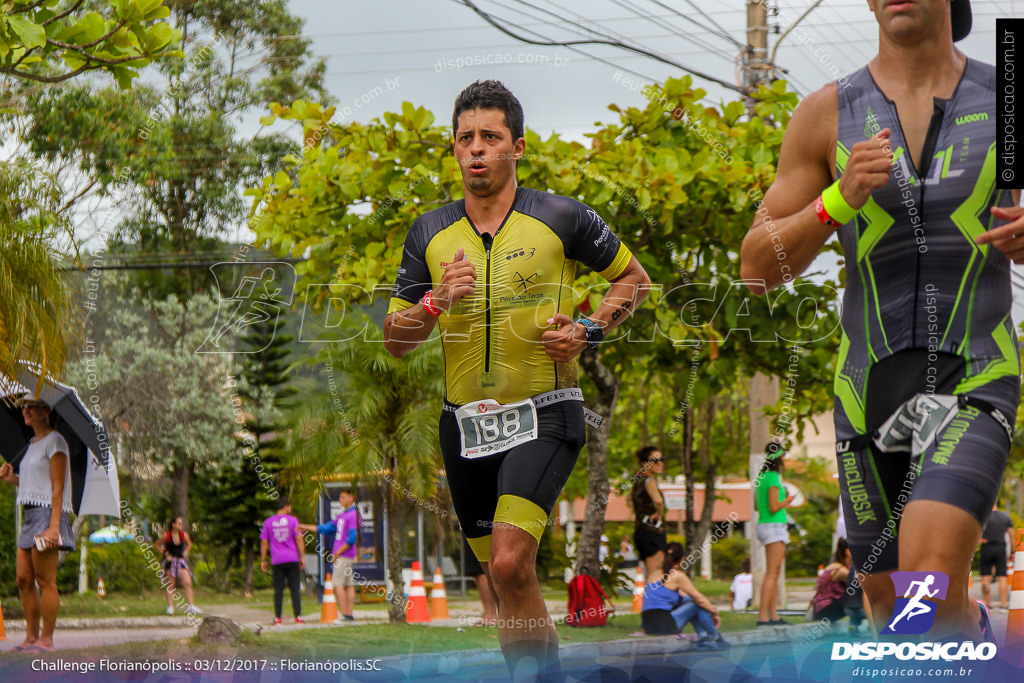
[(707, 512), (396, 608), (181, 471), (588, 550), (250, 570), (688, 521)]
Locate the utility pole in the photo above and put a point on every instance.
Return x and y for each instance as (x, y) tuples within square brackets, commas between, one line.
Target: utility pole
[(763, 390), (756, 69)]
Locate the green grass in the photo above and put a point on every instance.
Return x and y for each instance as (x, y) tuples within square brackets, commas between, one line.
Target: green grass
[(366, 640), (148, 603)]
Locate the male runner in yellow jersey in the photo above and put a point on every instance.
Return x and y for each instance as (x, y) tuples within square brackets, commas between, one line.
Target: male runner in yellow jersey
[(495, 271)]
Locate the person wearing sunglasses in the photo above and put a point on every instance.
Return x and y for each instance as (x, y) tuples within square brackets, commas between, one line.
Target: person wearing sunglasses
[(43, 480), (649, 506)]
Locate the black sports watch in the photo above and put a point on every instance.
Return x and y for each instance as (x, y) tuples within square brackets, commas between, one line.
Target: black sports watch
[(595, 333)]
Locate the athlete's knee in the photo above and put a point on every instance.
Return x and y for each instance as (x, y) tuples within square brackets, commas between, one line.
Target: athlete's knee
[(510, 571)]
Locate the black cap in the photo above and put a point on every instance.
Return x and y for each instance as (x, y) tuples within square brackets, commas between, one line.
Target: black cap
[(960, 12)]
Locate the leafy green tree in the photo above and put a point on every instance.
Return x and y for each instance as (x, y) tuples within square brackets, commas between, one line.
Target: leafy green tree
[(679, 183), (44, 42), (175, 148), (35, 301), (377, 420), (51, 41), (237, 495), (162, 403)]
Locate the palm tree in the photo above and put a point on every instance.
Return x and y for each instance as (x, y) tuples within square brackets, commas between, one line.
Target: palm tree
[(35, 300), (377, 420)]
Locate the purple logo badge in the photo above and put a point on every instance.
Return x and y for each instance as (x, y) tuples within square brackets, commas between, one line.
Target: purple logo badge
[(917, 596)]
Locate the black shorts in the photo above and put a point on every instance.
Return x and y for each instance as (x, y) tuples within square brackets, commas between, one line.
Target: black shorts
[(993, 557), (963, 467), (519, 486), (658, 622), (648, 542)]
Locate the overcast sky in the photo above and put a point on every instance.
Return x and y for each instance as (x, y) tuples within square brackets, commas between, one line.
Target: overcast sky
[(413, 45)]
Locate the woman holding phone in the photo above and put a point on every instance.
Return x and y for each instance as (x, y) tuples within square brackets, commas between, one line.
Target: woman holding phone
[(44, 491)]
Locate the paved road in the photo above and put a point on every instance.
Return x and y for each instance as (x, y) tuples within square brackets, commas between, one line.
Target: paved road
[(75, 638)]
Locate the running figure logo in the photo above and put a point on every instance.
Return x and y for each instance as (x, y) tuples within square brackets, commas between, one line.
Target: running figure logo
[(914, 612), (251, 293)]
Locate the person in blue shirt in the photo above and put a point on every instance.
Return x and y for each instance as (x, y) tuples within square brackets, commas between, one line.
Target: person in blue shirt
[(345, 529)]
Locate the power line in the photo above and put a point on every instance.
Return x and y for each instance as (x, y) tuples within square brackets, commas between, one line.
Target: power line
[(718, 52), (721, 32), (575, 49), (498, 25), (170, 265)]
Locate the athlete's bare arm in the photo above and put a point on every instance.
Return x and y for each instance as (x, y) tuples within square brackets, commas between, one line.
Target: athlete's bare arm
[(404, 331), (786, 235)]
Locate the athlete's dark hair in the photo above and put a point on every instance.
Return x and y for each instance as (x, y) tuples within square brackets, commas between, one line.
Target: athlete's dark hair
[(644, 454), (746, 565), (490, 95), (283, 502), (841, 547)]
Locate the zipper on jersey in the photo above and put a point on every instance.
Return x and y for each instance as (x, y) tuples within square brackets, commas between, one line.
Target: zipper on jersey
[(488, 240), (927, 154)]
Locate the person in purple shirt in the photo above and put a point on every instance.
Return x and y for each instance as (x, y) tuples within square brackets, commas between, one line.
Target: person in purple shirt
[(282, 537), (345, 529)]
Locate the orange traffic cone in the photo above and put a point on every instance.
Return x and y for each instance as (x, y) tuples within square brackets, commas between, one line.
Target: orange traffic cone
[(3, 631), (638, 591), (416, 610), (101, 590), (1015, 620), (438, 597), (821, 569), (329, 605)]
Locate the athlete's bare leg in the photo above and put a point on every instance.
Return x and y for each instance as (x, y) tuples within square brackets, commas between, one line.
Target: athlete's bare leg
[(526, 632), (938, 536)]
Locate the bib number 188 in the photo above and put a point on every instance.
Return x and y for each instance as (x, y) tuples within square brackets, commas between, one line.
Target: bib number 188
[(488, 427)]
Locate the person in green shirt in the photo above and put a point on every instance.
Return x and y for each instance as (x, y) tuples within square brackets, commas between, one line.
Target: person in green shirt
[(772, 530)]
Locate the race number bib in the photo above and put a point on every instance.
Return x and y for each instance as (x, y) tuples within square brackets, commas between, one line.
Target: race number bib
[(915, 424), (486, 427)]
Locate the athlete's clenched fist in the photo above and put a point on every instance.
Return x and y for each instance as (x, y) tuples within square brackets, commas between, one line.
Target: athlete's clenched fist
[(867, 169), (459, 280), (565, 343)]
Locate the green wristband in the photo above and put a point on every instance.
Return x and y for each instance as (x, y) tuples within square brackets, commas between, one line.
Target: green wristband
[(836, 206)]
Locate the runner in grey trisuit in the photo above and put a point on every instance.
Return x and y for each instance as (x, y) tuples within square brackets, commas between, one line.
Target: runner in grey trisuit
[(899, 158)]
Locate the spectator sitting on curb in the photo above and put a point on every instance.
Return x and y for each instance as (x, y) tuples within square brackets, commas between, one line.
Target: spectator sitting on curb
[(673, 601)]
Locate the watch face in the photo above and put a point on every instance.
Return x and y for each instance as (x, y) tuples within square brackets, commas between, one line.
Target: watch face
[(595, 333)]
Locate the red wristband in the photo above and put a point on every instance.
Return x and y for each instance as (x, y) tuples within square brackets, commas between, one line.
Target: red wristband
[(427, 304), (822, 213)]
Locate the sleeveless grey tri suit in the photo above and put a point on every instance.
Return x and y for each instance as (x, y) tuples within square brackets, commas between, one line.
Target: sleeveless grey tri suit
[(925, 311)]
